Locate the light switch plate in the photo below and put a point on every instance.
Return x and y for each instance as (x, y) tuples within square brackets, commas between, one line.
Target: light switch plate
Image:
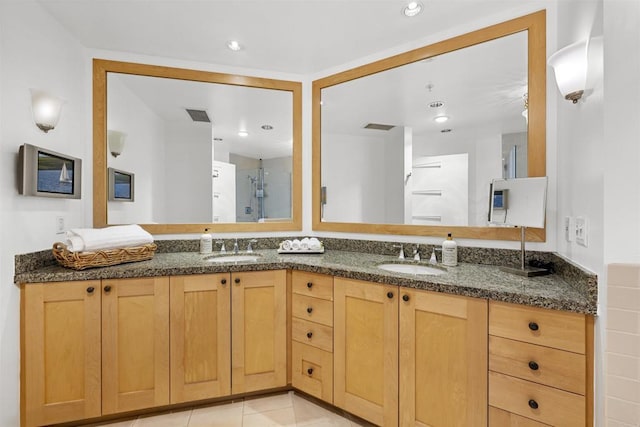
[(60, 227), (582, 231), (569, 228)]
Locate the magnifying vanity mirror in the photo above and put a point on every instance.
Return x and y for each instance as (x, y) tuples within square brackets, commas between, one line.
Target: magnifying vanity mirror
[(208, 150), (409, 144)]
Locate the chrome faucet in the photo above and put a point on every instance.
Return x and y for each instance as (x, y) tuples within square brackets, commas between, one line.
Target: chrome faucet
[(401, 255), (416, 253), (249, 248), (235, 247), (222, 248)]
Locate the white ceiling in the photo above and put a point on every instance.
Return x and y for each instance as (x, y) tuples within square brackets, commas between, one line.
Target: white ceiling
[(294, 36)]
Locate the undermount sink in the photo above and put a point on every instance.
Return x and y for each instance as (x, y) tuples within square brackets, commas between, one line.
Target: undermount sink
[(233, 258), (411, 269)]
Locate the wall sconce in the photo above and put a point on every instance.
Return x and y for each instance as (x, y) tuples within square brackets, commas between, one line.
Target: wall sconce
[(116, 142), (570, 67), (46, 109)]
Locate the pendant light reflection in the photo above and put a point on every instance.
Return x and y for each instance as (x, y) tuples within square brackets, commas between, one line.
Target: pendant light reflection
[(46, 109), (525, 112), (570, 67)]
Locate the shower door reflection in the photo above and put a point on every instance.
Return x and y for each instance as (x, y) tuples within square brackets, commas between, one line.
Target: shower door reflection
[(263, 194)]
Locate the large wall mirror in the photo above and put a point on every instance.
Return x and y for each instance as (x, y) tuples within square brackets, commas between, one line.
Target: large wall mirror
[(181, 150), (410, 144)]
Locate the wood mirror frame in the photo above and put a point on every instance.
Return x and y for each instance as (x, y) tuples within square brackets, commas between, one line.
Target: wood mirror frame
[(535, 24), (100, 181)]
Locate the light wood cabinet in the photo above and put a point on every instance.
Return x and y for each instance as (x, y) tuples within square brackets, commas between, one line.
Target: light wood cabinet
[(200, 337), (312, 334), (135, 344), (540, 365), (60, 347), (259, 330), (366, 350), (443, 359)]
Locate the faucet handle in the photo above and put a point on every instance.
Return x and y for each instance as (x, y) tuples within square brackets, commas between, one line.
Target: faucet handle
[(401, 255), (222, 248), (249, 248), (416, 252)]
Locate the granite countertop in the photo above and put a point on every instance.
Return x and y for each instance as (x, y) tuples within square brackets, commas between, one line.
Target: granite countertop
[(474, 280)]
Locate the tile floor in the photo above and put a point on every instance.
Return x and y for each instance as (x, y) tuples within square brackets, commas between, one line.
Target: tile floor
[(288, 409)]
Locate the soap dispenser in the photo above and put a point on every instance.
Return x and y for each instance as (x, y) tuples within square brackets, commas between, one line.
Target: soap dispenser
[(449, 252), (206, 242)]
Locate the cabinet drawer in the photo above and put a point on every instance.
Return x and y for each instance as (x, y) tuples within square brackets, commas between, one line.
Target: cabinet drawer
[(313, 285), (500, 418), (313, 309), (540, 403), (550, 328), (312, 333), (544, 365), (312, 371)]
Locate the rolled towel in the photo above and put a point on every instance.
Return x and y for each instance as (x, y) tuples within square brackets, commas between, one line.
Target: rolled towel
[(315, 244), (286, 245), (295, 245), (304, 244), (119, 236)]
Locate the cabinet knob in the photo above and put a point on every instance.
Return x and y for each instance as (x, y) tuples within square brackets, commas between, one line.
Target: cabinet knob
[(90, 289), (533, 366), (390, 295), (237, 280), (533, 326), (309, 310), (107, 288), (223, 281), (310, 371), (405, 297), (309, 285), (533, 404), (309, 334)]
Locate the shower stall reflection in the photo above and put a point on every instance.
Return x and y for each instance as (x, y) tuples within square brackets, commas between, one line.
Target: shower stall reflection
[(263, 194)]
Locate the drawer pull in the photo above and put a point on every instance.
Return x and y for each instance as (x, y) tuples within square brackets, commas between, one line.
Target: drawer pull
[(223, 281), (309, 310), (390, 295), (309, 285), (310, 371), (309, 334), (237, 280), (533, 404), (107, 288), (90, 289), (405, 297), (533, 326), (533, 366)]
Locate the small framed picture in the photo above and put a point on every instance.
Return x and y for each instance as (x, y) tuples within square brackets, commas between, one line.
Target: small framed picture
[(121, 185)]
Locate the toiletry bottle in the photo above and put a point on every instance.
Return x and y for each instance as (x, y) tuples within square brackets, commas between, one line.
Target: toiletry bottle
[(449, 252), (206, 242)]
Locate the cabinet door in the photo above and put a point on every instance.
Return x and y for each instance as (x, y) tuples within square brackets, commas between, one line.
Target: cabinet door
[(366, 350), (135, 344), (443, 359), (200, 337), (259, 330), (60, 352)]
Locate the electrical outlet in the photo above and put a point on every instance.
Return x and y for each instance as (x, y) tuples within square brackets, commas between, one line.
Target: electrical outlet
[(569, 228), (60, 225), (582, 231)]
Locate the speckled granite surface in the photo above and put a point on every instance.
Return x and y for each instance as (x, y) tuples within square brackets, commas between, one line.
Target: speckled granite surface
[(570, 288)]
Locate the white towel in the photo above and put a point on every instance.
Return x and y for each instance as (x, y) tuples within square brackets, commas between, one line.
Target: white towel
[(119, 236), (304, 244), (286, 245), (314, 244), (295, 245)]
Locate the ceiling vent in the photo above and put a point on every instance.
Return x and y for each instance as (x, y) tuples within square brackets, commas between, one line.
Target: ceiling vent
[(198, 115), (378, 126)]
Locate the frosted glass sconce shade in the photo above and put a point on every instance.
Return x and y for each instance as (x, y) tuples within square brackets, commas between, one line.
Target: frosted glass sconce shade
[(570, 67), (46, 109), (116, 142)]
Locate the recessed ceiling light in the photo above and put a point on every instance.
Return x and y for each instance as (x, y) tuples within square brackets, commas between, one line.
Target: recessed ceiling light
[(267, 127), (445, 130), (436, 104), (441, 119), (412, 9), (243, 133), (234, 45)]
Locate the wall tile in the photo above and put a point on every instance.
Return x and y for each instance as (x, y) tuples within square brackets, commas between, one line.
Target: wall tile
[(623, 411), (624, 275), (624, 388), (623, 321), (623, 366)]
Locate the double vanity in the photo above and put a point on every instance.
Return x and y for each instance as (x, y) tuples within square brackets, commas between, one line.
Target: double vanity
[(469, 345)]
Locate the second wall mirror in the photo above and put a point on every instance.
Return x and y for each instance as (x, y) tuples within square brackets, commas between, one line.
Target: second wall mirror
[(410, 144)]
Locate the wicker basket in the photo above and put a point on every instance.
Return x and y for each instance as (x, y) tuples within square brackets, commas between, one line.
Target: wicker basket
[(104, 258)]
